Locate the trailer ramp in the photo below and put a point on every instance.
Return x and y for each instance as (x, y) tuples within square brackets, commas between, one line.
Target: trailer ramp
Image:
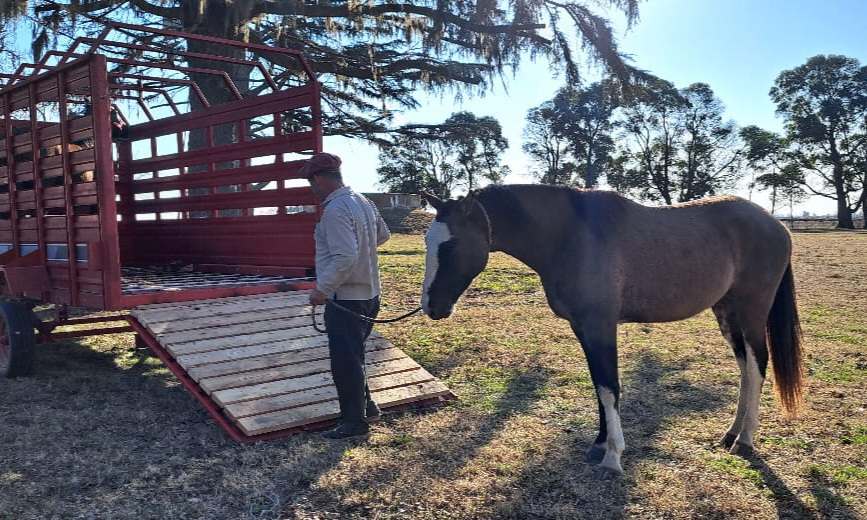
[(260, 368)]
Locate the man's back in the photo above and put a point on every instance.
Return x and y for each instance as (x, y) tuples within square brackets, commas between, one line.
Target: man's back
[(347, 236)]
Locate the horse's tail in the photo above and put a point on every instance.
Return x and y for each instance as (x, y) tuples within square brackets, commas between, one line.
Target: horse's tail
[(784, 341)]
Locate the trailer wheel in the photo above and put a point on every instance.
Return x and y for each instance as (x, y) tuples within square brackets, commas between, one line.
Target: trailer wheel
[(17, 340)]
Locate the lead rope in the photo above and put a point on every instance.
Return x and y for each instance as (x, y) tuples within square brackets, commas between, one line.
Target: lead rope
[(362, 317)]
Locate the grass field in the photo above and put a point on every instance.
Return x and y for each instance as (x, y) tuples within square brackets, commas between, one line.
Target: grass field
[(104, 431)]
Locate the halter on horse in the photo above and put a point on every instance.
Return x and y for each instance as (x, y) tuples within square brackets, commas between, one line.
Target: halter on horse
[(605, 260)]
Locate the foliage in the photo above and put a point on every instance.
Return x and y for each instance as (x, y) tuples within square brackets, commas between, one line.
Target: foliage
[(439, 158), (677, 147), (372, 58), (824, 103)]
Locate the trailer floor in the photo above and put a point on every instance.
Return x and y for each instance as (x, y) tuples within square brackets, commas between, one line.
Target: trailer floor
[(138, 280), (260, 368)]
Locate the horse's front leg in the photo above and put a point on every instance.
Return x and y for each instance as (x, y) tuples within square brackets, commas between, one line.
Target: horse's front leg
[(598, 338)]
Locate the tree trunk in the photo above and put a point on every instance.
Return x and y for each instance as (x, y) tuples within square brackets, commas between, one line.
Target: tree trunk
[(844, 216), (773, 199)]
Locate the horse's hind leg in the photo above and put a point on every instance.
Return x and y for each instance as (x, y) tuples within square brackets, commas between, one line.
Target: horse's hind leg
[(599, 341), (744, 328), (756, 366), (731, 331)]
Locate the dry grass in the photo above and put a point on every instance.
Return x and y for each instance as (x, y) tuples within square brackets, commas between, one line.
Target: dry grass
[(104, 431)]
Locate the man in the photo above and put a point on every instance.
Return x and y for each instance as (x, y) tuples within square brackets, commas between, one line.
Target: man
[(347, 272)]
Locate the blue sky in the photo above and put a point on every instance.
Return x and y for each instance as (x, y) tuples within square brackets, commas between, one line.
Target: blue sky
[(736, 46)]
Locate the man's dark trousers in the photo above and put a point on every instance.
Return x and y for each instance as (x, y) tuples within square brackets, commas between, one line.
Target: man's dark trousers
[(346, 336)]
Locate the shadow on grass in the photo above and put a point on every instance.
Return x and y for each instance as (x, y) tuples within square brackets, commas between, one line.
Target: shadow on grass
[(444, 452), (564, 486), (111, 432)]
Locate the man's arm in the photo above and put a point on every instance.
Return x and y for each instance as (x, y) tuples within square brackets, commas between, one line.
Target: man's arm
[(382, 232), (342, 249)]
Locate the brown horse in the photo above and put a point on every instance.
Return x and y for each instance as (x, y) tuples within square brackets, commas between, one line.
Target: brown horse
[(604, 260), (86, 176)]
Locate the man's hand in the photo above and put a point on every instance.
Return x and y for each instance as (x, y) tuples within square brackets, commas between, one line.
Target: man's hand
[(317, 297)]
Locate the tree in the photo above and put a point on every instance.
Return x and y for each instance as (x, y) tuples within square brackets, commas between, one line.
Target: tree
[(413, 165), (371, 57), (458, 152), (583, 117), (824, 103), (677, 146), (477, 144), (547, 149), (711, 154), (767, 155)]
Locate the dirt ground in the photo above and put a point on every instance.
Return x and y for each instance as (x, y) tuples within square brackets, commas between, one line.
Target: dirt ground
[(104, 431)]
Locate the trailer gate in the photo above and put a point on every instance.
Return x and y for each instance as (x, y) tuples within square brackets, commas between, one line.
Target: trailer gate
[(260, 368)]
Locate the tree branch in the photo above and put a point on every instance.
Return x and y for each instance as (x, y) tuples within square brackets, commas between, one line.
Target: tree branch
[(300, 8)]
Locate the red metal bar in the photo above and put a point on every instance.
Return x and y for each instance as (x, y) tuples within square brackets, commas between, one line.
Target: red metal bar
[(261, 173), (110, 254), (212, 57), (67, 190), (227, 112), (56, 336), (130, 301), (229, 152), (230, 200), (10, 173), (223, 41), (37, 178), (191, 84), (229, 83)]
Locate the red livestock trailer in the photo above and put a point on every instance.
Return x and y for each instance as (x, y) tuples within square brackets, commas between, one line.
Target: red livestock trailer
[(137, 175)]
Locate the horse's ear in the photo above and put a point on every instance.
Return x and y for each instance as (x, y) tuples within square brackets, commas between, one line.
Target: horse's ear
[(433, 200), (468, 202)]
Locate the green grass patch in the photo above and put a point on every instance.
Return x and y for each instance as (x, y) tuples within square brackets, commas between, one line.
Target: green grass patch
[(788, 442), (737, 467), (840, 475), (833, 371), (856, 436)]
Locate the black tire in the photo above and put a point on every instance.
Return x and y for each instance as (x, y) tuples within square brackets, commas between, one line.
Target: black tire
[(17, 341)]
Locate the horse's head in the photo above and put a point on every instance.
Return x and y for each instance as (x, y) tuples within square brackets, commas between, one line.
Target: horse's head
[(458, 243)]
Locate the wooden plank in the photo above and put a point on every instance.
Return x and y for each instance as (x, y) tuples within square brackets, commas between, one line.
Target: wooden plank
[(257, 362), (257, 301), (244, 341), (310, 396), (235, 332), (295, 368), (190, 361), (196, 319), (210, 302), (221, 306), (299, 384), (324, 411)]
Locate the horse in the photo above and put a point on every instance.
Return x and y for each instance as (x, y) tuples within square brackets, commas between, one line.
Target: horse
[(85, 176), (604, 260)]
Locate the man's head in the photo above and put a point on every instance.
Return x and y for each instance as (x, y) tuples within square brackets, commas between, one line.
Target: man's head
[(323, 172)]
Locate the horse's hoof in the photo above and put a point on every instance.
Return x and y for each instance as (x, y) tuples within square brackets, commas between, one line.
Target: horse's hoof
[(611, 469), (741, 450), (728, 440), (594, 455)]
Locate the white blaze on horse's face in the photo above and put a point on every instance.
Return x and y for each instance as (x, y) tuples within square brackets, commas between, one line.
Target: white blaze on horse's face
[(437, 234)]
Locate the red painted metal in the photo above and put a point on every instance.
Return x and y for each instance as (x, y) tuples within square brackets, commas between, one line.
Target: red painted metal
[(42, 211), (233, 205)]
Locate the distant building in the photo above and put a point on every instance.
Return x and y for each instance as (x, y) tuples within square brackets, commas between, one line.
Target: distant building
[(408, 201)]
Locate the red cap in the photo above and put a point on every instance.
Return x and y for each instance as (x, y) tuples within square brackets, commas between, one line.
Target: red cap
[(320, 162)]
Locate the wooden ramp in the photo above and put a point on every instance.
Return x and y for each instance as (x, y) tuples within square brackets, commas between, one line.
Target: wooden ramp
[(260, 368)]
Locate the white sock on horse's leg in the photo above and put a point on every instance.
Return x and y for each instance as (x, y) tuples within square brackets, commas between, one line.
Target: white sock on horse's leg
[(752, 397), (743, 392), (615, 444)]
